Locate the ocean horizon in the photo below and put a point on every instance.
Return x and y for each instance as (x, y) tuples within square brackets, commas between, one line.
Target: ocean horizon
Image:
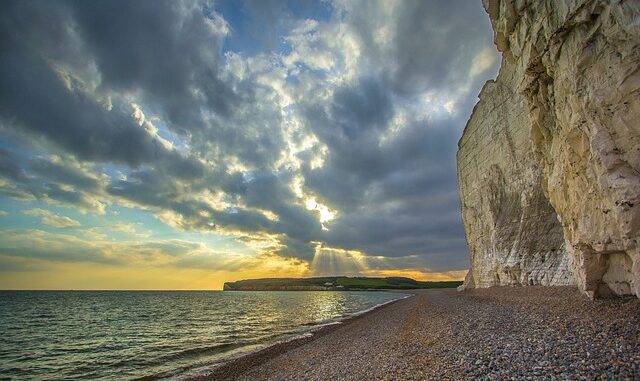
[(157, 334)]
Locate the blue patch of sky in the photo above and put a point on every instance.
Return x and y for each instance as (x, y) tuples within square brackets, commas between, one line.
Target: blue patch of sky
[(16, 219), (115, 171), (258, 26), (146, 220), (159, 230)]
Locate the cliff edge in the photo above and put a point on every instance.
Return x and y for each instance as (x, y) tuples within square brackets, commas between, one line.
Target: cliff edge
[(549, 162)]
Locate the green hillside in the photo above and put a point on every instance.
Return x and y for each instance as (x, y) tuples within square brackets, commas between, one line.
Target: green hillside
[(334, 283)]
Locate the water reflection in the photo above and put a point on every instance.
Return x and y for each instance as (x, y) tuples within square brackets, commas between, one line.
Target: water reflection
[(116, 335)]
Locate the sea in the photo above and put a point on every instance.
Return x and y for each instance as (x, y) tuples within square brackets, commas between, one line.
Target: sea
[(120, 335)]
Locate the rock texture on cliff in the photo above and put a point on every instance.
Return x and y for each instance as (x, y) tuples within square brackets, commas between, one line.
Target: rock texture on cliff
[(549, 163)]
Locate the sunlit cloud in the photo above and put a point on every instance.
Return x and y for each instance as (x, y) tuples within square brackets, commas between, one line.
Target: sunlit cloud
[(125, 227), (49, 218)]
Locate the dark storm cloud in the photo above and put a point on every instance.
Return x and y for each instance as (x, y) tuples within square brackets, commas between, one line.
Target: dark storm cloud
[(10, 168), (166, 49), (453, 31), (36, 98), (65, 174), (45, 180), (356, 111), (429, 228), (170, 53), (433, 42), (154, 190)]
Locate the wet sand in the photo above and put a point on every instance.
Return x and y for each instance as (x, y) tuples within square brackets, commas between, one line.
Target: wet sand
[(494, 334)]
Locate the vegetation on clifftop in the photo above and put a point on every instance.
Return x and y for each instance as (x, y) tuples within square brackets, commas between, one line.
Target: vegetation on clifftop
[(334, 283)]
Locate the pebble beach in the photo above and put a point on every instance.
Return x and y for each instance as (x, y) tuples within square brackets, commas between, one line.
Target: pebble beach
[(520, 333)]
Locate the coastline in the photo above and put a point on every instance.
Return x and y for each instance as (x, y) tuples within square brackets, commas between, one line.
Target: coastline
[(495, 333), (227, 368)]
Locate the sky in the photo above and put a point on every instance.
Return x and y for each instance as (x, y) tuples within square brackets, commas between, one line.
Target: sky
[(178, 145)]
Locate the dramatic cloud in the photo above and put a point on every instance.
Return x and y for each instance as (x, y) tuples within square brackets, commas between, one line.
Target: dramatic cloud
[(305, 132)]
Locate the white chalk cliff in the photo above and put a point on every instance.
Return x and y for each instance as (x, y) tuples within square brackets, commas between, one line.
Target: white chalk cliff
[(549, 162)]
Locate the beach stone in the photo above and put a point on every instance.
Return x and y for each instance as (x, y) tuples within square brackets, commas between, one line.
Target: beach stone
[(413, 339), (549, 162)]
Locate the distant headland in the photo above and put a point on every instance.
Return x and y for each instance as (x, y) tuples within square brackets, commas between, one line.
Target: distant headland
[(335, 283)]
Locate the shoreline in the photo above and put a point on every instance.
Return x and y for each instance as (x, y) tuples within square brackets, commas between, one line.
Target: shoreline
[(226, 368), (495, 333)]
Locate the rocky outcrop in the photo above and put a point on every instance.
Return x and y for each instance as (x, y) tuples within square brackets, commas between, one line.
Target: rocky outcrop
[(549, 163)]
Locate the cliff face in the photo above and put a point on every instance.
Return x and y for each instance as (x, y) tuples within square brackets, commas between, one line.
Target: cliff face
[(549, 163), (505, 211)]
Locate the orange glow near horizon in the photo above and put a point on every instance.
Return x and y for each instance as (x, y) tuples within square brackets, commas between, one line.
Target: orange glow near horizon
[(424, 276), (47, 275)]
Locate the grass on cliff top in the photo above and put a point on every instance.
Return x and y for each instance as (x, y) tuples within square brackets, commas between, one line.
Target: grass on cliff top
[(398, 282), (346, 283)]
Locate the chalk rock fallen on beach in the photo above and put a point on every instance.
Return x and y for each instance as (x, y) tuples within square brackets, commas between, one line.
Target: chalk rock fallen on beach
[(549, 163)]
